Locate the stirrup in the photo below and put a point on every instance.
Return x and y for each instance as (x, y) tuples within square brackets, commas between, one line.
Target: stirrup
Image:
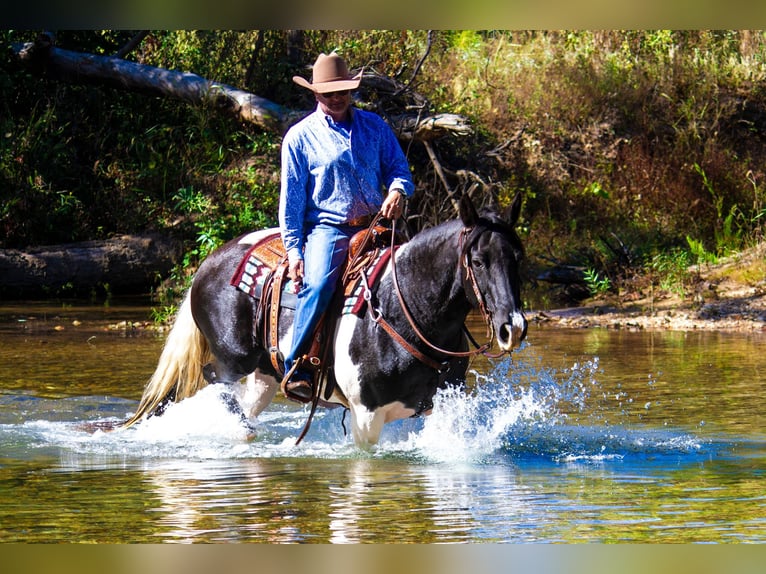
[(311, 384)]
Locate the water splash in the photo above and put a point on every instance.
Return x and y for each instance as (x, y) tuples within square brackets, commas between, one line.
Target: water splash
[(474, 423), (203, 427), (511, 412), (522, 411)]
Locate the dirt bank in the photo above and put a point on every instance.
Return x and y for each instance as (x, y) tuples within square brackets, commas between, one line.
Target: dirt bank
[(727, 296)]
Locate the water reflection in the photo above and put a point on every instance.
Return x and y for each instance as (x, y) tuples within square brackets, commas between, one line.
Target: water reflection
[(486, 503), (206, 500), (588, 436), (346, 503)]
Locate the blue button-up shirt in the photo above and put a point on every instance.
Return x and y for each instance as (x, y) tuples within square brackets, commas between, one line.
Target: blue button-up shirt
[(333, 173)]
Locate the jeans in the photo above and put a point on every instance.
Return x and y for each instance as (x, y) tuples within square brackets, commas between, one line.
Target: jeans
[(324, 253)]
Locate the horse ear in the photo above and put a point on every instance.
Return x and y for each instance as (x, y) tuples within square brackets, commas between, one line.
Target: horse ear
[(468, 213), (513, 211)]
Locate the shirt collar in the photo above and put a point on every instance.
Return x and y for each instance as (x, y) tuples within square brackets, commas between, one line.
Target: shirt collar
[(331, 122)]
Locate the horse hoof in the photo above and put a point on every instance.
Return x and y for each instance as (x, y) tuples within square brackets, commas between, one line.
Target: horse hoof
[(250, 434)]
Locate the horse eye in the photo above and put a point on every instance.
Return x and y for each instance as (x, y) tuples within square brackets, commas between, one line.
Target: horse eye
[(478, 263)]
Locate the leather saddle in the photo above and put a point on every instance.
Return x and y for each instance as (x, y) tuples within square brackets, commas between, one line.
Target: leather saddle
[(262, 273)]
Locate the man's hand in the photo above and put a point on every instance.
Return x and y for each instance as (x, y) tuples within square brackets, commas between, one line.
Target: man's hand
[(393, 205), (295, 272)]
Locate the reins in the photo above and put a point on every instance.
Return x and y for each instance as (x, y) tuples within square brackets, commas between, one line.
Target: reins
[(470, 278)]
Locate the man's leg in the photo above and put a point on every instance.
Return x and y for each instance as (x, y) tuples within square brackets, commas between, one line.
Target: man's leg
[(324, 255)]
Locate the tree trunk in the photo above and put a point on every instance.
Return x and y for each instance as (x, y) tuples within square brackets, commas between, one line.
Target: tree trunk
[(76, 67), (43, 58), (124, 265)]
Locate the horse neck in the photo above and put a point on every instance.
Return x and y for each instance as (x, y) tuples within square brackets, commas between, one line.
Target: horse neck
[(429, 278)]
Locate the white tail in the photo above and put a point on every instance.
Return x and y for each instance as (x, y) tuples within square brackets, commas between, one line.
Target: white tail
[(185, 353)]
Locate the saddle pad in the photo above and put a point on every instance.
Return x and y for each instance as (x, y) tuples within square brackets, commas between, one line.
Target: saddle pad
[(260, 260), (354, 302)]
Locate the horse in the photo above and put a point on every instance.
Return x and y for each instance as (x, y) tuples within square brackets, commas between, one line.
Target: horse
[(387, 364)]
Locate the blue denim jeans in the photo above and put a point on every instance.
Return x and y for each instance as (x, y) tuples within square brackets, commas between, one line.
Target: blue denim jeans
[(324, 254)]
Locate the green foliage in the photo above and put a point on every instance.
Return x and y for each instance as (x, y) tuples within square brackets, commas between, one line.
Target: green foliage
[(214, 54), (698, 253), (164, 314), (596, 284), (595, 189), (81, 162), (671, 270), (729, 227), (188, 201), (468, 43), (652, 134)]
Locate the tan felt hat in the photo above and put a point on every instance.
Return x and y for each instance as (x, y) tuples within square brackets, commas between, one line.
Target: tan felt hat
[(329, 74)]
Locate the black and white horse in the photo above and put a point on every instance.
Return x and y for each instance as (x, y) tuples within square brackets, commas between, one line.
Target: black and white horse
[(382, 374)]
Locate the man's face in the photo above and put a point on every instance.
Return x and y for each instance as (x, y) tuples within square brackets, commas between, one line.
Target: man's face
[(335, 104)]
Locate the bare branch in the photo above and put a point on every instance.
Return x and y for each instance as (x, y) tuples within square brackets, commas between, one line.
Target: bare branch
[(442, 177), (132, 44), (419, 64)]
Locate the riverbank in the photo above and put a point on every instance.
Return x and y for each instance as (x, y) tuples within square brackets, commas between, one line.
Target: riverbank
[(727, 296)]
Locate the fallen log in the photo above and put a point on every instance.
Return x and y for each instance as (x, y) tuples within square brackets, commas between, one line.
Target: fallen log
[(124, 265), (563, 274), (570, 277), (44, 58)]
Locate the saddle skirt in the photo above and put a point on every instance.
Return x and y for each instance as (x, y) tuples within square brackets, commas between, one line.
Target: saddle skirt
[(264, 256)]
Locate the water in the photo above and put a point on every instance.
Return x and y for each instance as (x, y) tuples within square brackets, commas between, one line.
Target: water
[(585, 436)]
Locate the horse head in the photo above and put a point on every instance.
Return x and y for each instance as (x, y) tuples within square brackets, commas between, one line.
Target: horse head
[(491, 255)]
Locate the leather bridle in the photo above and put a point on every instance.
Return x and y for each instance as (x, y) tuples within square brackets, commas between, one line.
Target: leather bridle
[(470, 286)]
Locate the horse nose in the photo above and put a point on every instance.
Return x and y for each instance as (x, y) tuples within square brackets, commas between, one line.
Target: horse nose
[(511, 334)]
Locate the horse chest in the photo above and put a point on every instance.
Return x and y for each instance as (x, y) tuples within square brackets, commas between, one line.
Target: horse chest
[(374, 371)]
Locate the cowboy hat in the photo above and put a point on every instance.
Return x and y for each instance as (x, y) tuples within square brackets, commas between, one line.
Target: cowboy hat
[(329, 74)]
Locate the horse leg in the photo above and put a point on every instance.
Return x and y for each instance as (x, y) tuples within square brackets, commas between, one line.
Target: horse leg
[(216, 374), (257, 392), (366, 425)]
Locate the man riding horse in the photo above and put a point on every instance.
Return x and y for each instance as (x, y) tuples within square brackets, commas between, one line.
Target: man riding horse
[(407, 338)]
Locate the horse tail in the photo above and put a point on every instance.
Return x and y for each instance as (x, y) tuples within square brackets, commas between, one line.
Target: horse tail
[(179, 370)]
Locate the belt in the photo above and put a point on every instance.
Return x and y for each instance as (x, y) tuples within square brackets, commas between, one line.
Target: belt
[(363, 221)]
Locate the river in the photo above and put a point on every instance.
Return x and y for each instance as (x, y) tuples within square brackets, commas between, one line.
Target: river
[(582, 436)]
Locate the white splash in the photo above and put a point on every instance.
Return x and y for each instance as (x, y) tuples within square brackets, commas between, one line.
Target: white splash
[(201, 417), (512, 411), (469, 426)]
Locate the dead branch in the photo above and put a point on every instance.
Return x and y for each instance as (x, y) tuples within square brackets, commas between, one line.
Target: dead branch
[(419, 64), (442, 177), (132, 44), (44, 58)]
